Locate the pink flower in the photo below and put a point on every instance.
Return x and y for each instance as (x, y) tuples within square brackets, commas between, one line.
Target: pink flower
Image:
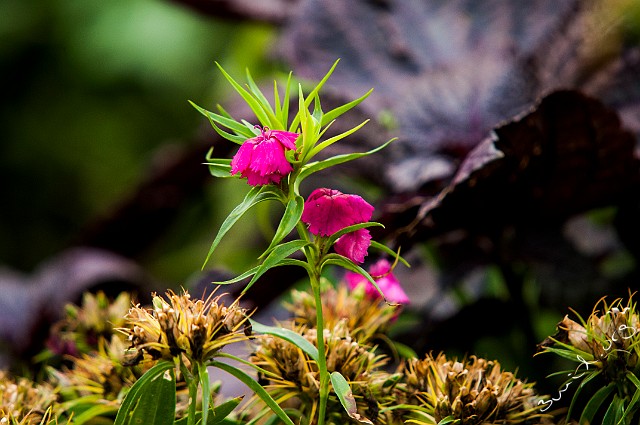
[(261, 159), (354, 245), (327, 211), (387, 282)]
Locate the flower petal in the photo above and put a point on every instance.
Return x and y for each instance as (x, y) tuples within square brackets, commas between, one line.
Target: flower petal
[(385, 279), (242, 158), (354, 245), (327, 211), (269, 158), (286, 138)]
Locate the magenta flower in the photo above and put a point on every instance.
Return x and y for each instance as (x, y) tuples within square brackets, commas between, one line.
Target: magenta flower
[(261, 159), (387, 282), (327, 211), (354, 245)]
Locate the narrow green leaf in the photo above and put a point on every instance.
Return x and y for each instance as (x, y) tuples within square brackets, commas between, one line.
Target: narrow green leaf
[(615, 412), (220, 168), (636, 396), (335, 113), (217, 414), (317, 109), (203, 377), (157, 403), (220, 412), (264, 103), (583, 383), (344, 262), (239, 278), (568, 353), (631, 377), (343, 391), (290, 218), (447, 420), (330, 141), (386, 249), (226, 121), (284, 112), (93, 412), (132, 397), (274, 420), (595, 402), (255, 387), (304, 103), (404, 351), (288, 335), (253, 270), (248, 98), (331, 240), (314, 167), (277, 255), (256, 195)]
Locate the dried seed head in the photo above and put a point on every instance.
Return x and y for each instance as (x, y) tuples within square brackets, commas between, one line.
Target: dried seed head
[(473, 391), (179, 325)]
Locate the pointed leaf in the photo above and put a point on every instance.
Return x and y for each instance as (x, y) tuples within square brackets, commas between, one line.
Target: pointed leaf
[(157, 403), (226, 121), (595, 402), (253, 270), (288, 335), (350, 229), (256, 195), (217, 414), (314, 167), (344, 262), (290, 218), (264, 103), (248, 98), (277, 255), (335, 113), (94, 411), (330, 141), (304, 104), (615, 412), (386, 249), (205, 384), (220, 168), (343, 391), (255, 387), (134, 394)]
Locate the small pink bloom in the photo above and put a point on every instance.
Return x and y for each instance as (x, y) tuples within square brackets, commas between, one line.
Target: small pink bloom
[(261, 159), (387, 282), (354, 245), (327, 211)]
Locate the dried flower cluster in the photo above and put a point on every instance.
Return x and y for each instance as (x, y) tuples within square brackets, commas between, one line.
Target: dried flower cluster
[(100, 373), (607, 341), (474, 391), (181, 326), (290, 375), (25, 402), (373, 316), (84, 327)]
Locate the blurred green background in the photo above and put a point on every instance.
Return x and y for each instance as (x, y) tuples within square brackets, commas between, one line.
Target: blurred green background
[(92, 90)]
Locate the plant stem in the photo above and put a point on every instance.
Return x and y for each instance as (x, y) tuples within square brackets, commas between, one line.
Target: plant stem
[(322, 356), (192, 383)]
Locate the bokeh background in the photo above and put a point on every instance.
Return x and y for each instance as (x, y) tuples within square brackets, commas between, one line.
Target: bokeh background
[(94, 93)]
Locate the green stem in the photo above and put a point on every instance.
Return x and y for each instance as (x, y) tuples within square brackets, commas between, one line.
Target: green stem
[(322, 355), (192, 382)]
